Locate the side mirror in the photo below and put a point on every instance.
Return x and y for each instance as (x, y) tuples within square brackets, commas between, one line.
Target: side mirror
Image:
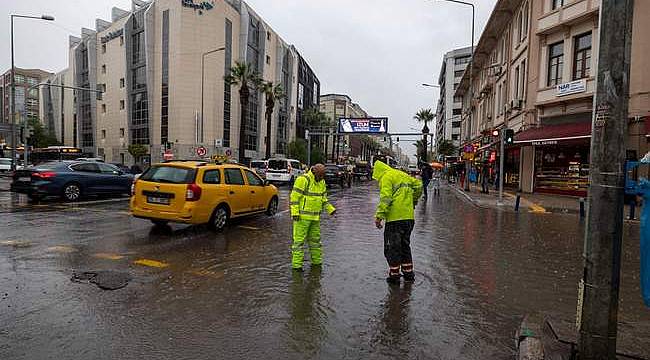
[(266, 183)]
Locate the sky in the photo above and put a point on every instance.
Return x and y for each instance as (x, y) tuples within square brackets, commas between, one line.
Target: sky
[(378, 52)]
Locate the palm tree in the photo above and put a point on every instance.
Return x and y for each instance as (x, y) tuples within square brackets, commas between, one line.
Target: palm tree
[(273, 93), (425, 116), (244, 76)]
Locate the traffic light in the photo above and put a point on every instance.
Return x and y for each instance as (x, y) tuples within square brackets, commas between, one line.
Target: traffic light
[(510, 136)]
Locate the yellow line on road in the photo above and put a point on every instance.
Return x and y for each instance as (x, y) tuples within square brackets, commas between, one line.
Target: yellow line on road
[(61, 249), (534, 208), (15, 243), (151, 263), (248, 227), (107, 256)]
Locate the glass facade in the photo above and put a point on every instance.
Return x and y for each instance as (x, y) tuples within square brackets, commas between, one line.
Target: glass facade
[(164, 101), (252, 58), (139, 102), (227, 89)]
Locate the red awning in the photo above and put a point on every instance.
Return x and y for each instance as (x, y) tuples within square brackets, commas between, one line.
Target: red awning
[(551, 134)]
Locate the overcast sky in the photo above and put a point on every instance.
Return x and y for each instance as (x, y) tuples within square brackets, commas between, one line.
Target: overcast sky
[(376, 51)]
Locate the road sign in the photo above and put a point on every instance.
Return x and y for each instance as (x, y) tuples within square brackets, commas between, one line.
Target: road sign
[(228, 152), (201, 151), (168, 155)]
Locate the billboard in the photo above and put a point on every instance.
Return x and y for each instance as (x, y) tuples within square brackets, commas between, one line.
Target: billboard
[(370, 125)]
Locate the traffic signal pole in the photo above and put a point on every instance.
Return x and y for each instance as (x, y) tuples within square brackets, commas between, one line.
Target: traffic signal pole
[(599, 288), (502, 140)]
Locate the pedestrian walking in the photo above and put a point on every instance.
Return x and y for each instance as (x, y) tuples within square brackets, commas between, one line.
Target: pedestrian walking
[(398, 195), (485, 179), (426, 172), (308, 199)]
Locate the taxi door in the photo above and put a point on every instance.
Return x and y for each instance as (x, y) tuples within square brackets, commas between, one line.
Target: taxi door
[(236, 191), (257, 192)]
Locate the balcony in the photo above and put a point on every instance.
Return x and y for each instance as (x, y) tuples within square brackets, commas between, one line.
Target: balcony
[(572, 12)]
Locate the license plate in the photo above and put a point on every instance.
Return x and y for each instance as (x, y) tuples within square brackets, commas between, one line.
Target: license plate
[(157, 200), (25, 179)]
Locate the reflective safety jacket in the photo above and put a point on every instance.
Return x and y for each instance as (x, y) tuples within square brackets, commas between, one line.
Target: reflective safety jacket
[(309, 197), (398, 193)]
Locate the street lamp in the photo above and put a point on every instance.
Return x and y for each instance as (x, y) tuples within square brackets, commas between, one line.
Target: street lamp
[(471, 70), (13, 84), (431, 85), (202, 76)]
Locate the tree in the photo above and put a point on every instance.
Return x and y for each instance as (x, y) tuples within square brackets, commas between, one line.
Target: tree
[(298, 150), (244, 76), (42, 137), (315, 120), (137, 151), (273, 93), (317, 155), (424, 116), (447, 148)]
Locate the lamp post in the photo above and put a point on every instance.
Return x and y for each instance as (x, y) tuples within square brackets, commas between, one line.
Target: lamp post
[(471, 88), (202, 76), (13, 84)]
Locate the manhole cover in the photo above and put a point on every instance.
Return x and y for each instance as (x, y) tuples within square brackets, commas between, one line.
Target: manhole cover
[(104, 279)]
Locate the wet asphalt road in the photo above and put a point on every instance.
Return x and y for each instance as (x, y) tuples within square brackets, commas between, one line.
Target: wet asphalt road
[(200, 295)]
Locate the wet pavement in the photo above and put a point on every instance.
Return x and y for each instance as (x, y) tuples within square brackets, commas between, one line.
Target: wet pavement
[(194, 294)]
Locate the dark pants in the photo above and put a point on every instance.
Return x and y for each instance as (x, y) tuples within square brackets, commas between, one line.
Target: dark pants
[(397, 242), (425, 185)]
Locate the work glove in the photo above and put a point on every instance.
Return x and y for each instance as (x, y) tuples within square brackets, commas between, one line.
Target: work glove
[(296, 218), (378, 223)]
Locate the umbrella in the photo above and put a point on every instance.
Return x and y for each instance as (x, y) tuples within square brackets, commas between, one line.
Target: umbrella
[(437, 165)]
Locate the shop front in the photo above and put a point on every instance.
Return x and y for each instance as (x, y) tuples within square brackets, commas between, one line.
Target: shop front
[(560, 158)]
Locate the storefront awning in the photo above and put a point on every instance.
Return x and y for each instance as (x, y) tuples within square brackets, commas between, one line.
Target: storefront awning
[(552, 134)]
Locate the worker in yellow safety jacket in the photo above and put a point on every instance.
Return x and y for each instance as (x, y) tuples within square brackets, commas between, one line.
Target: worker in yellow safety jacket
[(398, 195), (308, 199)]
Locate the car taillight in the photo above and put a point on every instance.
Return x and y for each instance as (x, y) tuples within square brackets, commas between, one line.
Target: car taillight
[(133, 187), (46, 175), (339, 173), (193, 192)]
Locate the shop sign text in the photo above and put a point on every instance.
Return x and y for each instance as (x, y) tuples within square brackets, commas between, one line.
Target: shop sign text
[(573, 87), (199, 6), (547, 142)]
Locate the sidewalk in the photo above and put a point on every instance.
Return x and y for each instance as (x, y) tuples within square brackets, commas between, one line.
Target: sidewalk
[(536, 203)]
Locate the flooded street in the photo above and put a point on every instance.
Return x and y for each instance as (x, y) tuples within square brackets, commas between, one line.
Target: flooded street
[(195, 294)]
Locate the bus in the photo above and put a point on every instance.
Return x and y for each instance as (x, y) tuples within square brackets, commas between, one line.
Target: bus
[(54, 153)]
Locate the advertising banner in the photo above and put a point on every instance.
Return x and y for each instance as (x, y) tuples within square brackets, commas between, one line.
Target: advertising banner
[(363, 125)]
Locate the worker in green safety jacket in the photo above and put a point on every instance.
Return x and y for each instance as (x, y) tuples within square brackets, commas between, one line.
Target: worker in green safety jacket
[(398, 196), (308, 198)]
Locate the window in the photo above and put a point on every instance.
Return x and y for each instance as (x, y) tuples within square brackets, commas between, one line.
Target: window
[(499, 99), (103, 69), (458, 73), (121, 104), (455, 124), (108, 169), (522, 87), (121, 83), (87, 167), (139, 78), (121, 40), (268, 60), (212, 177), (458, 99), (582, 56), (524, 14), (268, 35), (103, 48), (169, 174), (164, 97), (462, 60), (457, 112), (515, 95), (233, 177), (455, 136), (122, 132), (103, 108), (103, 134), (555, 63), (253, 179), (555, 4)]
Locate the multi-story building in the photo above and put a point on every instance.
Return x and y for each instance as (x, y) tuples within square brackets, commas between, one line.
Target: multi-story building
[(543, 88), (28, 104), (450, 107), (336, 106), (57, 103), (161, 67)]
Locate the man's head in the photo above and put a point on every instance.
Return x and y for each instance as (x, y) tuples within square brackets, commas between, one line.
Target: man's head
[(319, 171)]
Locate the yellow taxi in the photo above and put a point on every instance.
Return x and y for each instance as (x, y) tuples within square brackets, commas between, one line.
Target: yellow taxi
[(195, 192)]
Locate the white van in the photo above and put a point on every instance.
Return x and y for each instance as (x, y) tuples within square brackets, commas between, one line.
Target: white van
[(283, 170)]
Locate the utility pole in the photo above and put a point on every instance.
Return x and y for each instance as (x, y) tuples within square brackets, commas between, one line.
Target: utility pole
[(599, 289), (308, 147), (502, 156)]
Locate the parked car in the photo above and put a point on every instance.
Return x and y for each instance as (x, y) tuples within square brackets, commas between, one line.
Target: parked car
[(260, 167), (283, 170), (413, 170), (338, 175), (71, 180), (362, 169), (201, 193), (95, 159), (5, 164)]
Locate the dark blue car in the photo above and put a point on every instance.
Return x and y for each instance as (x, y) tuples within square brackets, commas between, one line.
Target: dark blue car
[(71, 180)]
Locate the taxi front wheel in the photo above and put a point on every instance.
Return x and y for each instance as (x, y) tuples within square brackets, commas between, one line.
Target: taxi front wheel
[(273, 207)]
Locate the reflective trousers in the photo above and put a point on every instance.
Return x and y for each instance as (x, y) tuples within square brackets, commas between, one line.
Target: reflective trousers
[(397, 242), (306, 230)]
